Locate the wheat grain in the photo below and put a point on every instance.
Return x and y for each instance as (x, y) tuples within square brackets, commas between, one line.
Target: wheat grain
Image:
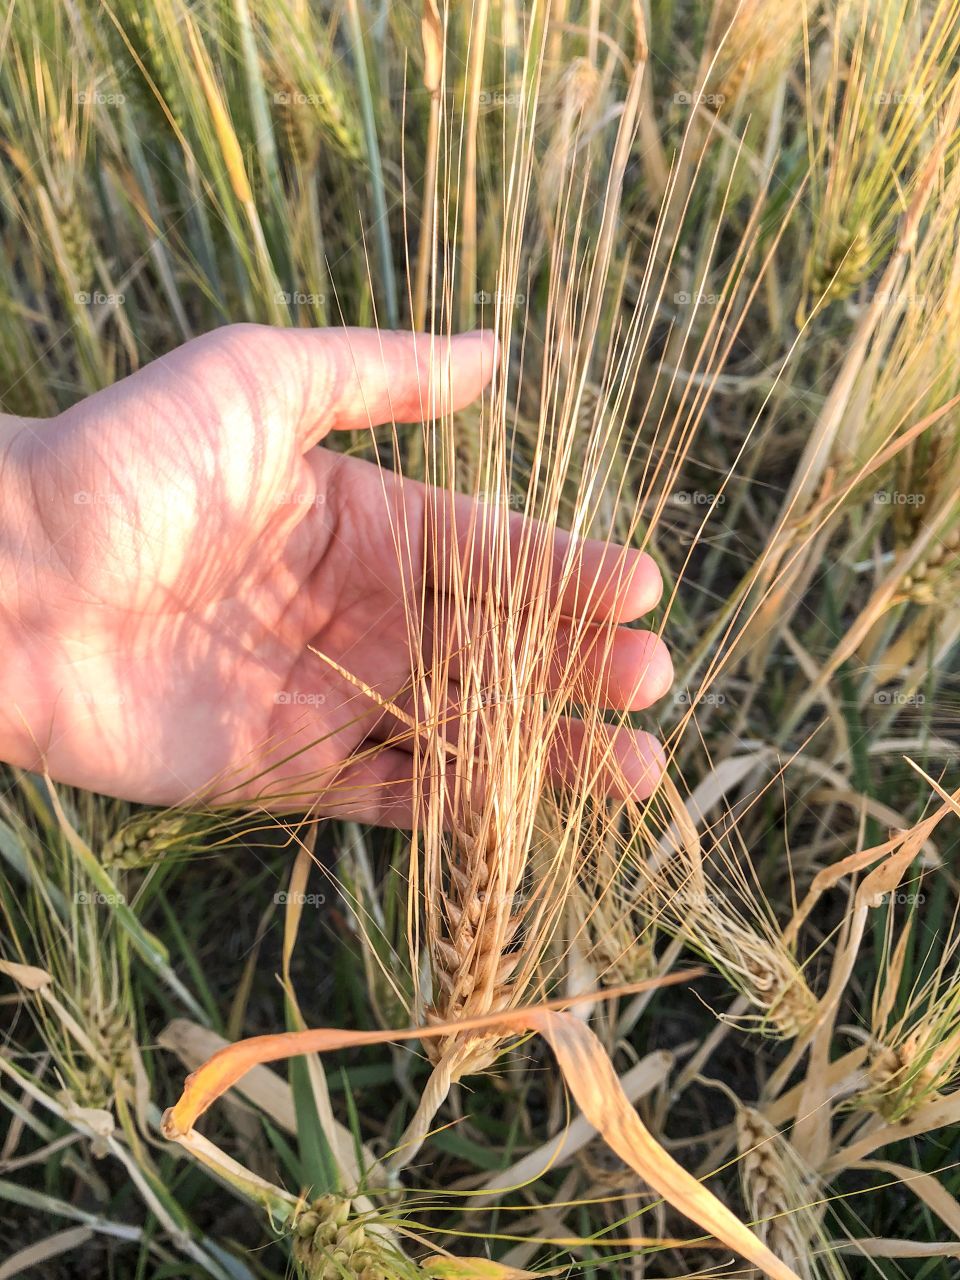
[(721, 916), (914, 1054), (330, 1243), (880, 103), (755, 40), (773, 1191)]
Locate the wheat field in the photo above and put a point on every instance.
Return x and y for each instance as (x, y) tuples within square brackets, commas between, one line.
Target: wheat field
[(556, 1030)]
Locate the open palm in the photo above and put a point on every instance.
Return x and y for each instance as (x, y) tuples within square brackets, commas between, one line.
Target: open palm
[(177, 542)]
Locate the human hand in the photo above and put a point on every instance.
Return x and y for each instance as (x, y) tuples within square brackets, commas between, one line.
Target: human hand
[(172, 545)]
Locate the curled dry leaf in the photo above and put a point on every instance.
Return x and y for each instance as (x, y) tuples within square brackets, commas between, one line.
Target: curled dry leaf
[(27, 976), (587, 1071), (432, 31), (912, 839)]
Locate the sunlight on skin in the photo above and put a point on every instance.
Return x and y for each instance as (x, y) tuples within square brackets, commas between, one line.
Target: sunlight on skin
[(172, 545)]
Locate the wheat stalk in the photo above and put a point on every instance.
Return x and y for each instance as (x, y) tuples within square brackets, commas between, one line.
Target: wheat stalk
[(486, 892)]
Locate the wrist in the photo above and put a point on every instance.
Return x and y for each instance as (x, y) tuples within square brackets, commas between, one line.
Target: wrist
[(25, 594)]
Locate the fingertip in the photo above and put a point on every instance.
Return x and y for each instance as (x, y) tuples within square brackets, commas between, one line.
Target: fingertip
[(454, 371), (483, 345), (639, 670), (648, 766), (643, 589), (610, 583), (621, 762), (351, 379)]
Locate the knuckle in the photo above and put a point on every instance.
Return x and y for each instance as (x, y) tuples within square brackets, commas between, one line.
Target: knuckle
[(237, 339)]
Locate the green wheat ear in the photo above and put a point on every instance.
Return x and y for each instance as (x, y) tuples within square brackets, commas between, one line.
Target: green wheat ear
[(148, 838), (329, 1243), (837, 269)]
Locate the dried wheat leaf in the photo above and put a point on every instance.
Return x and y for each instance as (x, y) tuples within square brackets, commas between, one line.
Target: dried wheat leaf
[(27, 976), (588, 1073), (262, 1087), (935, 1115), (590, 1076), (35, 1255), (923, 1185), (231, 1063), (826, 879), (277, 1202), (879, 1247), (788, 1104), (636, 1083)]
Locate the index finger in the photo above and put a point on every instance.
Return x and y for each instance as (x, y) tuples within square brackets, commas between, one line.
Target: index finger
[(350, 378)]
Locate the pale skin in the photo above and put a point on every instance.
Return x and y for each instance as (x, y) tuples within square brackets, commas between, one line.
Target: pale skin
[(172, 545)]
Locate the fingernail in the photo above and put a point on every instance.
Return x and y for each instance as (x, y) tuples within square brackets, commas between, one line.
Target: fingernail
[(485, 337)]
